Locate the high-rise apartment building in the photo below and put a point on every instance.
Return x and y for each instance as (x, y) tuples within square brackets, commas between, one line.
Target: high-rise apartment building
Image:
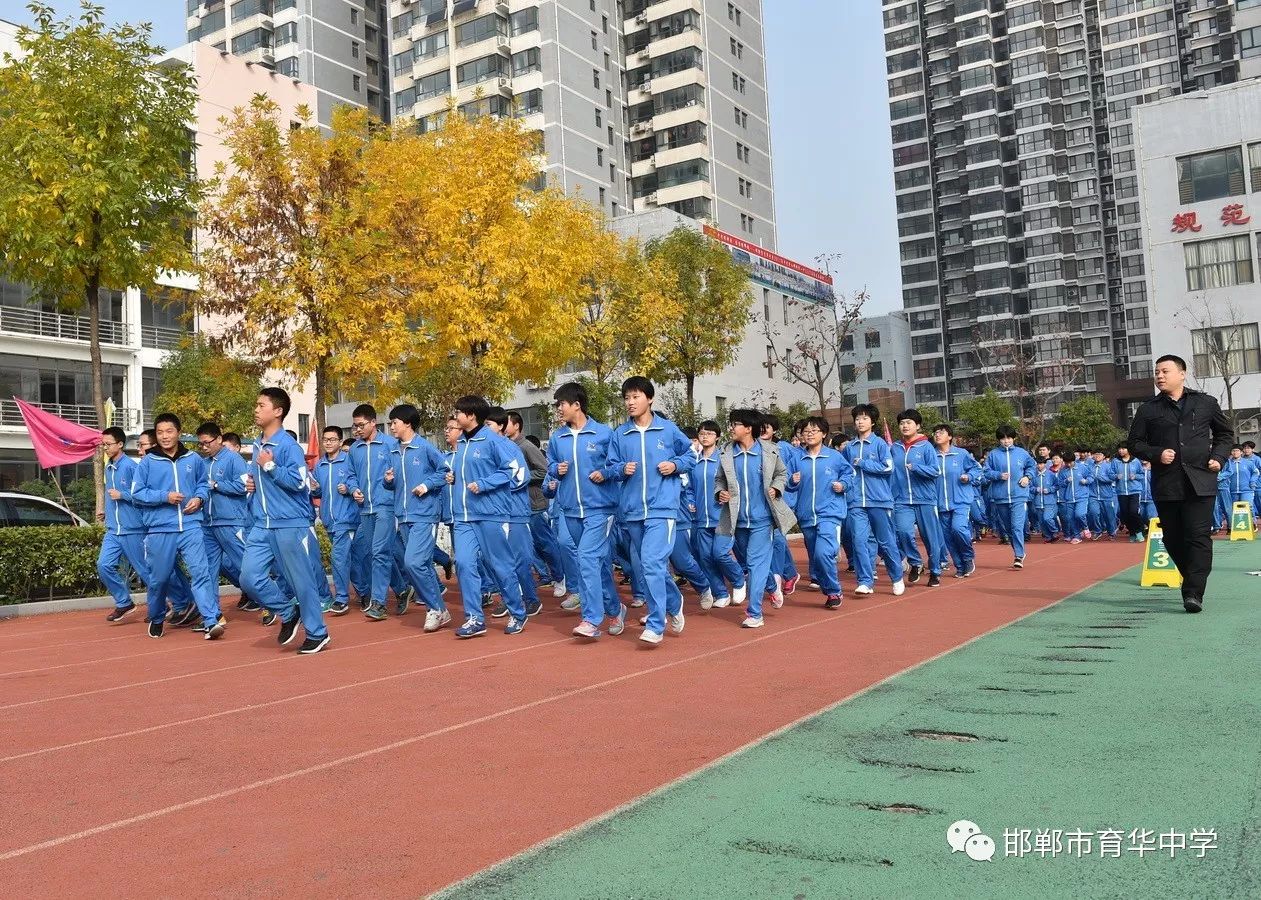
[(1014, 168), (337, 46), (641, 104)]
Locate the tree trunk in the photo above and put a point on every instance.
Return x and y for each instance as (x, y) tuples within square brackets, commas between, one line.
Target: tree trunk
[(1230, 406), (321, 385), (689, 381), (98, 387)]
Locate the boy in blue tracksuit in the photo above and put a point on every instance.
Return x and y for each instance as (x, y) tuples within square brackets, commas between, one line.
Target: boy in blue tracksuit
[(915, 471), (225, 516), (171, 484), (586, 499), (281, 535), (372, 550), (417, 476), (546, 551), (1129, 479), (520, 540), (334, 482), (822, 478), (959, 476), (1250, 454), (1046, 502), (1147, 503), (1073, 493), (1009, 470), (713, 549), (647, 455), (485, 470), (124, 527), (870, 503), (682, 557), (783, 568), (1103, 496)]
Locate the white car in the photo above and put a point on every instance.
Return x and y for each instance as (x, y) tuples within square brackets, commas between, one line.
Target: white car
[(24, 510)]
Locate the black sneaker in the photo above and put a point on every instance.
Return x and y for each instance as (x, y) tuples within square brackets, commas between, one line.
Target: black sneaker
[(186, 616), (916, 572), (268, 617), (121, 612), (448, 570), (248, 605), (1002, 541), (313, 645), (1192, 604), (1018, 562), (155, 628), (833, 602), (533, 607), (934, 580), (287, 631), (405, 601), (500, 610)]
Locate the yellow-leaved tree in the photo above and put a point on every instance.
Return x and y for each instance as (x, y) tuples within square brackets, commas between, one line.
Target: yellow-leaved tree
[(293, 257)]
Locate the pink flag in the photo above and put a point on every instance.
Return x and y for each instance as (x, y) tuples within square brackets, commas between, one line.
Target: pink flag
[(57, 441), (888, 439)]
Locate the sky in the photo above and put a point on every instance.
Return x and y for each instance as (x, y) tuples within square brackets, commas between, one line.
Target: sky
[(830, 138)]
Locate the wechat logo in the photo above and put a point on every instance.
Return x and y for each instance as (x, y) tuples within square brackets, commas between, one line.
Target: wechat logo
[(965, 837)]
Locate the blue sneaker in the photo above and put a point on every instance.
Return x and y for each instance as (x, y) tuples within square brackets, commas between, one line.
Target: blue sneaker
[(375, 612), (471, 629), (326, 605), (514, 626)]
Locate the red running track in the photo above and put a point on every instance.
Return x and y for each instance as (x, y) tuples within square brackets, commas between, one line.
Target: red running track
[(399, 762)]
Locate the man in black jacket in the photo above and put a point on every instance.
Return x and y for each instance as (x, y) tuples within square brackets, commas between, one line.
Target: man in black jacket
[(1185, 437)]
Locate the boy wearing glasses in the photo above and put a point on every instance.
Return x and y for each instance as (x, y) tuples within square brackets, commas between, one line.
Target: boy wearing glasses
[(225, 510), (334, 483), (372, 550)]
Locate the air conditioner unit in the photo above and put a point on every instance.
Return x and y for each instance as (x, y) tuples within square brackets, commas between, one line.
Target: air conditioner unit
[(641, 19), (646, 86), (1249, 426), (644, 54), (651, 198), (504, 45), (505, 83)]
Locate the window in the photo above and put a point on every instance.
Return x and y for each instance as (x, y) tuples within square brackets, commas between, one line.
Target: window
[(1250, 42), (304, 426), (479, 30), (288, 67), (1208, 176), (1254, 163), (523, 21), (871, 340), (770, 361), (354, 49), (875, 371), (1232, 350), (354, 17), (32, 511), (356, 83), (595, 41), (1218, 263), (595, 77), (737, 83), (599, 156)]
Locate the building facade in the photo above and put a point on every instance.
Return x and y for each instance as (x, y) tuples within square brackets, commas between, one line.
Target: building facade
[(1199, 168), (337, 46), (775, 285), (876, 365), (641, 104), (1016, 182)]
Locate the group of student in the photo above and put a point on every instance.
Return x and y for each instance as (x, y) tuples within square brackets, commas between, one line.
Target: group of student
[(710, 508)]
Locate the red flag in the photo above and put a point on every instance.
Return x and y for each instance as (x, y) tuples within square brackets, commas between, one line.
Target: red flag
[(57, 442), (312, 447), (887, 438)]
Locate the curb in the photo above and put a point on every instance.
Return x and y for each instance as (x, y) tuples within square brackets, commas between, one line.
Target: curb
[(79, 604)]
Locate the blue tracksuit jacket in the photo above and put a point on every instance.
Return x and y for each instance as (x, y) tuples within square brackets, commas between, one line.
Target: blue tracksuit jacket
[(648, 494), (369, 461), (228, 504), (415, 463), (122, 516), (950, 492), (492, 462), (158, 475), (872, 461), (915, 471), (586, 452), (1017, 464), (282, 497), (338, 512), (815, 497)]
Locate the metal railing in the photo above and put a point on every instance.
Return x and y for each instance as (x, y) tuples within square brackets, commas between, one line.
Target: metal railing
[(11, 416), (24, 320), (161, 337)]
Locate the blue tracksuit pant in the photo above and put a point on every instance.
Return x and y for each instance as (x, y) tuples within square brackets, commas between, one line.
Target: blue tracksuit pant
[(1103, 516), (419, 539), (546, 547), (868, 523), (373, 552), (684, 562), (921, 516), (521, 542), (782, 562), (569, 555), (713, 554), (754, 548), (590, 565), (956, 527), (653, 541), (225, 548), (1048, 520), (1073, 517), (847, 541), (342, 541), (823, 542), (1011, 517), (164, 547), (318, 575), (486, 541), (114, 549), (288, 550)]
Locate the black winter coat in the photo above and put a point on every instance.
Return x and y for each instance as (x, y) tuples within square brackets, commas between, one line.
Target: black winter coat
[(1198, 433)]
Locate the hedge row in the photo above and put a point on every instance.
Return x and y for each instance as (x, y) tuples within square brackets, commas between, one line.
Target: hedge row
[(53, 563)]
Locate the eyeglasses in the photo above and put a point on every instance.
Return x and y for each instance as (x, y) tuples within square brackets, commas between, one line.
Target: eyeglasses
[(208, 442), (357, 426)]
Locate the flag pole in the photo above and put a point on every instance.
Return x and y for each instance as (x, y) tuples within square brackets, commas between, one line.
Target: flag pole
[(57, 482)]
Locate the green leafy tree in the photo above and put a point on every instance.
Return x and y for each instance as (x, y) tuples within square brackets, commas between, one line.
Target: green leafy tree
[(203, 384), (96, 188), (711, 290), (979, 417), (1086, 422)]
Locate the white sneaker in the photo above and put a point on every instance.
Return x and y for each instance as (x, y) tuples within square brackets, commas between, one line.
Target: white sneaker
[(721, 602), (619, 624), (777, 598), (637, 602), (435, 619), (675, 623), (899, 588), (864, 589), (571, 603), (779, 582), (651, 637), (707, 599), (643, 620), (752, 622), (558, 589), (738, 595)]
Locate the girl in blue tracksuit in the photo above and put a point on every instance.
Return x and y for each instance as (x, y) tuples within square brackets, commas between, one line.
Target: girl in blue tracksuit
[(915, 471), (713, 550), (1128, 472), (1009, 471), (334, 483), (1073, 490), (1103, 497), (959, 477), (822, 478), (1046, 503), (870, 504)]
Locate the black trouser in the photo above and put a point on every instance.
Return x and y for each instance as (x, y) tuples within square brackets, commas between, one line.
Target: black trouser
[(1130, 517), (1187, 526)]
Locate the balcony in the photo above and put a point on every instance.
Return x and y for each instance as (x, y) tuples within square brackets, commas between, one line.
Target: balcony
[(161, 338), (11, 416), (59, 326)]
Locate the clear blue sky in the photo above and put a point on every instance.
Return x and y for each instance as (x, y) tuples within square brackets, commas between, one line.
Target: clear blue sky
[(829, 128)]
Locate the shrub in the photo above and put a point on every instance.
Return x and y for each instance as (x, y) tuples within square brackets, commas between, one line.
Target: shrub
[(46, 563)]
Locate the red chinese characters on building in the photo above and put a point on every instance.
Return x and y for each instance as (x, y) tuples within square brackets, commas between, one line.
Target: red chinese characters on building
[(1184, 222), (1233, 214)]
